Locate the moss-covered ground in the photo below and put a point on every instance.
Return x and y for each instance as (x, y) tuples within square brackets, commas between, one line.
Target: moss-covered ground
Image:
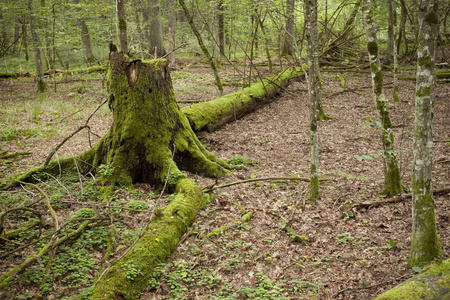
[(338, 247)]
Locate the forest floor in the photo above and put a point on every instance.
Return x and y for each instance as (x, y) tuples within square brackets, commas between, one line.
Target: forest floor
[(348, 253)]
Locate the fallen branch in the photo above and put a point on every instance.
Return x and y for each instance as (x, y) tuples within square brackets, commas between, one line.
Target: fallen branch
[(395, 199), (6, 155), (209, 189)]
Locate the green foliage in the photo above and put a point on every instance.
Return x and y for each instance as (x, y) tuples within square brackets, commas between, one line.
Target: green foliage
[(344, 239), (84, 213), (138, 205), (239, 162), (174, 177), (106, 170)]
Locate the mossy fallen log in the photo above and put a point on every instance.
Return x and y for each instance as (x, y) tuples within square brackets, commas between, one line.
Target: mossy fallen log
[(99, 68), (128, 278), (214, 114), (432, 283), (440, 74)]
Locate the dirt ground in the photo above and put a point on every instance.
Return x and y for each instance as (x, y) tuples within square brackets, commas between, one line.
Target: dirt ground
[(350, 252)]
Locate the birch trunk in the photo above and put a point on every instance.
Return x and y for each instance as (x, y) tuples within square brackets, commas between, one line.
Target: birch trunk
[(314, 93), (424, 242), (392, 177)]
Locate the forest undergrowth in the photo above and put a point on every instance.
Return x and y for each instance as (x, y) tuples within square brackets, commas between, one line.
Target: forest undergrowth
[(255, 240)]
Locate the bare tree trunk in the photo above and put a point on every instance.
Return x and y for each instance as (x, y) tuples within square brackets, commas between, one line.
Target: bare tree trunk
[(156, 38), (25, 38), (4, 40), (289, 39), (85, 37), (402, 30), (392, 180), (424, 242), (395, 92), (171, 26), (137, 12), (16, 34), (122, 25), (202, 46), (221, 24), (314, 93), (37, 52), (391, 40)]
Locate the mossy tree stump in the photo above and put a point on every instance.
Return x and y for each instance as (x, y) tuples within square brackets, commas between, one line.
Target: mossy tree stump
[(148, 126)]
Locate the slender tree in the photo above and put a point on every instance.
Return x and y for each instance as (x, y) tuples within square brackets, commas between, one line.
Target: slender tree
[(289, 39), (314, 92), (402, 31), (202, 45), (171, 27), (394, 44), (221, 25), (121, 25), (37, 52), (392, 178), (391, 40), (85, 36), (424, 242), (156, 38)]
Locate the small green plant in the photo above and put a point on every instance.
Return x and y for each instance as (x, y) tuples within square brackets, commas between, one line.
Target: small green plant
[(106, 170), (84, 213), (138, 205), (259, 142), (174, 177), (344, 239), (239, 162), (131, 270)]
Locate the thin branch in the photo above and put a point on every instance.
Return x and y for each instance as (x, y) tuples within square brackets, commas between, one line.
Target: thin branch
[(49, 157), (211, 188)]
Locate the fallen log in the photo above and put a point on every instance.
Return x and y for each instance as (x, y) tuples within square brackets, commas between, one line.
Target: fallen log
[(99, 68), (432, 283), (214, 114)]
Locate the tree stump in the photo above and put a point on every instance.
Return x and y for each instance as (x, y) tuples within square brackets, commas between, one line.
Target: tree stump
[(148, 126)]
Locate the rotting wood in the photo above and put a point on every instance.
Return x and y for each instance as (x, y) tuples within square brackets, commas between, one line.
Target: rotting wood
[(214, 114)]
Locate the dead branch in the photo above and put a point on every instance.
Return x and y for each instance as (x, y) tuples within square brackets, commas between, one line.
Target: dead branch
[(395, 199), (209, 189), (49, 157)]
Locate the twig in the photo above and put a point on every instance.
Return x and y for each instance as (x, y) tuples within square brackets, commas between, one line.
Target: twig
[(396, 199), (211, 188), (60, 121), (49, 157), (176, 48)]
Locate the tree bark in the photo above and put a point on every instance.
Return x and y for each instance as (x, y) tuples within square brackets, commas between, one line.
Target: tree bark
[(171, 26), (85, 37), (392, 179), (121, 25), (391, 40), (221, 25), (156, 38), (25, 39), (16, 34), (432, 283), (289, 38), (314, 93), (402, 29), (425, 242), (37, 52)]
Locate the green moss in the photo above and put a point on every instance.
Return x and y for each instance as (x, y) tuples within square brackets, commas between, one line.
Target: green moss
[(378, 82), (207, 114), (432, 283), (159, 240), (372, 48), (122, 24)]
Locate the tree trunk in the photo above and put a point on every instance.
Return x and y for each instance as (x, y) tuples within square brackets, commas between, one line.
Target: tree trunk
[(121, 26), (425, 242), (314, 93), (395, 91), (4, 40), (432, 283), (202, 46), (25, 38), (137, 12), (171, 26), (37, 52), (156, 38), (402, 30), (266, 40), (85, 37), (391, 40), (289, 39), (16, 34), (221, 24), (392, 178), (148, 131)]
